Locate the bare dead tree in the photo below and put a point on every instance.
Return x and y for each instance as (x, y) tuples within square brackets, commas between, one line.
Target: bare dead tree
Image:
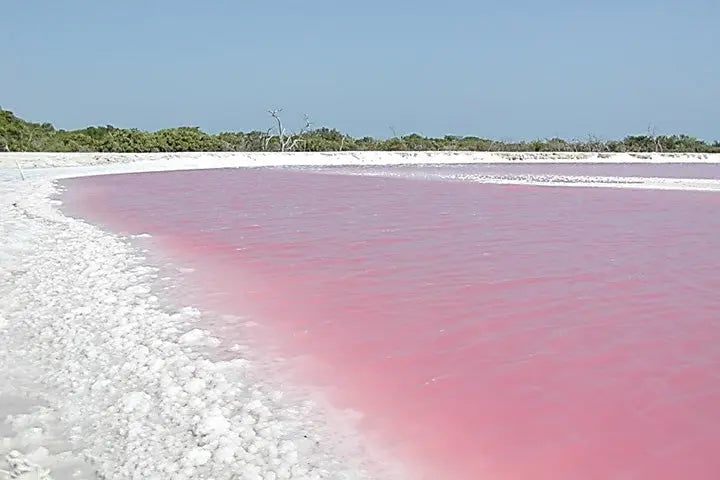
[(288, 142), (266, 139), (308, 123), (342, 143), (280, 129), (655, 138), (392, 129), (297, 137)]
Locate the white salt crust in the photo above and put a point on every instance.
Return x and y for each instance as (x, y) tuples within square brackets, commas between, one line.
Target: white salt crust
[(101, 379)]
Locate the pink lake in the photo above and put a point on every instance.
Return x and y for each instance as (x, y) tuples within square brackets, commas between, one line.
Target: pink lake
[(483, 331)]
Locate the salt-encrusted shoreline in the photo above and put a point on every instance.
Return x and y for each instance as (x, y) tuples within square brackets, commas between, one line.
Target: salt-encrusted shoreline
[(249, 159), (555, 180), (100, 378)]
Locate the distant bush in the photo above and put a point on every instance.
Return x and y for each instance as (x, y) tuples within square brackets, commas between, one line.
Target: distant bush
[(19, 135)]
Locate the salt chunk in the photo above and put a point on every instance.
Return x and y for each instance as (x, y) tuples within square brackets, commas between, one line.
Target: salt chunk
[(195, 386), (225, 455), (193, 337), (136, 402), (215, 425), (198, 456)]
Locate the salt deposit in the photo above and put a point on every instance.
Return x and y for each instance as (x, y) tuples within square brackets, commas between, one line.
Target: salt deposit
[(101, 379)]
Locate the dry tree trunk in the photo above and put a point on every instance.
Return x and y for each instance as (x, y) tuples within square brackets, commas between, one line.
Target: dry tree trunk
[(266, 139), (281, 130)]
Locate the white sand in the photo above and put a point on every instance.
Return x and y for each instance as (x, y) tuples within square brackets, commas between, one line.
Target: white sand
[(99, 376)]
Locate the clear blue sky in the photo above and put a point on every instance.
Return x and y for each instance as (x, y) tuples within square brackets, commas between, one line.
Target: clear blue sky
[(512, 69)]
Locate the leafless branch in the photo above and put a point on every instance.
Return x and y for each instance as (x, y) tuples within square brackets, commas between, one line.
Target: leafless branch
[(281, 130), (288, 142), (267, 138), (655, 139)]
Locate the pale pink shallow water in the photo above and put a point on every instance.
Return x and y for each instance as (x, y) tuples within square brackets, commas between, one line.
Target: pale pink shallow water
[(484, 331)]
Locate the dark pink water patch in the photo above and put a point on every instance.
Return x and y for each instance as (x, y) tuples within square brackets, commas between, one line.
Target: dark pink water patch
[(484, 331)]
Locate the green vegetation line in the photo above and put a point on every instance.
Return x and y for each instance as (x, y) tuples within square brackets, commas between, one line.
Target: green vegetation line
[(18, 135)]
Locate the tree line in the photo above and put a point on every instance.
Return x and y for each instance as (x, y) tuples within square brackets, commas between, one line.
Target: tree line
[(19, 135)]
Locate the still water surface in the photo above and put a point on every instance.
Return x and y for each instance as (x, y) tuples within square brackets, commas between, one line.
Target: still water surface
[(483, 331)]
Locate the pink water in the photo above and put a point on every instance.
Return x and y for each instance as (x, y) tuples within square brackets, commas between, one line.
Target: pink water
[(484, 331)]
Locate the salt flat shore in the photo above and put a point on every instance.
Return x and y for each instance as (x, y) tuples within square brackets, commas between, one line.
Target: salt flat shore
[(101, 379), (249, 159)]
